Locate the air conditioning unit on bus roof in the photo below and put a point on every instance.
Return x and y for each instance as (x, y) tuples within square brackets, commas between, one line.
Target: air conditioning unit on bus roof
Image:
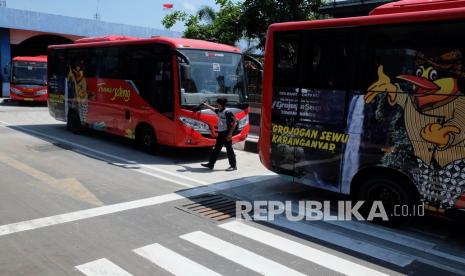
[(105, 38)]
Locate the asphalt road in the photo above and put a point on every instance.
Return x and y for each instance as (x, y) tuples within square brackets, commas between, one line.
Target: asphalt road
[(94, 205)]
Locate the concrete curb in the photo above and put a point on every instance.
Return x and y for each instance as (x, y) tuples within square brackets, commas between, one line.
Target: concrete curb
[(249, 145)]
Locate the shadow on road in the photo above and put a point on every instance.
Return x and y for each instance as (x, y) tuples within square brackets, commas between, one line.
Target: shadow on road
[(8, 102), (95, 140)]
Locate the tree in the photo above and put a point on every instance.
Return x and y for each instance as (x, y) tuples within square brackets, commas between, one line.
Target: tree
[(222, 26), (250, 19), (259, 14)]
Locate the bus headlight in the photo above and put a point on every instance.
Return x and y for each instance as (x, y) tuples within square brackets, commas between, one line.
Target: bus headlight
[(16, 91), (196, 125), (243, 122), (41, 92)]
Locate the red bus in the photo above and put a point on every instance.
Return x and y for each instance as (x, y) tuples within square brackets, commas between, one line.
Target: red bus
[(149, 90), (370, 106), (28, 79)]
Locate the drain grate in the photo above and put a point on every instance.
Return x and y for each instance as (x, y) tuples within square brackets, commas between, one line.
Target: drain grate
[(214, 207)]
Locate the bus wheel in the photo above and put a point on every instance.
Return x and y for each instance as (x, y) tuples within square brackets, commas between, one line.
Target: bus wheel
[(396, 195), (74, 122), (147, 140)]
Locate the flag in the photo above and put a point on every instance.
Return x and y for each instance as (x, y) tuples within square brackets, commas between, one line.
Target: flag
[(167, 6)]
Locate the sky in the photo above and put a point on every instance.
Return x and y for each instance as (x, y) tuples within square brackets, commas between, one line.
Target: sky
[(146, 13)]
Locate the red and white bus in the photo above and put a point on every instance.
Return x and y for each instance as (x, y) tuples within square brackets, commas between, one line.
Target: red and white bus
[(370, 106), (147, 89), (28, 79)]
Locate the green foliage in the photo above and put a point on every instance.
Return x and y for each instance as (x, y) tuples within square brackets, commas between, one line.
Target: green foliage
[(259, 14), (234, 21), (221, 26), (171, 19)]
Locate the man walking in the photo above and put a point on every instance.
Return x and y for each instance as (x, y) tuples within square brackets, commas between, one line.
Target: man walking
[(226, 125)]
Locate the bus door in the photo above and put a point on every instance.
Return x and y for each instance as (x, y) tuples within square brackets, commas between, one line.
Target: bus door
[(148, 76), (109, 87), (318, 132), (325, 75), (285, 101)]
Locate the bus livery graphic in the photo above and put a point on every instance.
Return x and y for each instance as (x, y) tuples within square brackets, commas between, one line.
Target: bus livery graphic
[(434, 116), (372, 106), (79, 90)]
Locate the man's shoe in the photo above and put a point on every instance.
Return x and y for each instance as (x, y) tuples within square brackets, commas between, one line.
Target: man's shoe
[(231, 169), (207, 165)]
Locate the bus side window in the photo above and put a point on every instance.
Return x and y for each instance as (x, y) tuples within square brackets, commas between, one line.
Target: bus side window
[(110, 64), (287, 59), (327, 67), (149, 67), (324, 78)]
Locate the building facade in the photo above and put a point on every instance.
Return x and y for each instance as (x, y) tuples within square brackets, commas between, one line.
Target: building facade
[(27, 33)]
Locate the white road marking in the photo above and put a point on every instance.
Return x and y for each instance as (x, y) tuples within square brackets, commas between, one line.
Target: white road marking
[(173, 262), (120, 207), (115, 157), (302, 251), (102, 267), (86, 214), (239, 255)]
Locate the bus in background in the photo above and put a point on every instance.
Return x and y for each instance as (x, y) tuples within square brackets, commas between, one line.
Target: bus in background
[(371, 106), (149, 90), (28, 79)]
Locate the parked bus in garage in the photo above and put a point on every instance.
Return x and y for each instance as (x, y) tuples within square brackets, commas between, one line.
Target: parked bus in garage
[(370, 106), (28, 79), (149, 90)]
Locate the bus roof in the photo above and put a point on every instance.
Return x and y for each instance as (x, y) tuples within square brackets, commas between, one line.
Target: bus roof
[(33, 59), (392, 13), (179, 43), (105, 38), (417, 5)]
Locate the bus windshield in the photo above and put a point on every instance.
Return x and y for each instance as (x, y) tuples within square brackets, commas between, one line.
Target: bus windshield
[(28, 72), (211, 75)]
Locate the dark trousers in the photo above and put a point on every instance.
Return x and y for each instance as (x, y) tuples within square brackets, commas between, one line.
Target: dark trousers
[(220, 142)]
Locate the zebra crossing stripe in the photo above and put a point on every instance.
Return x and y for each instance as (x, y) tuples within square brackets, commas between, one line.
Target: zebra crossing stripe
[(239, 255), (302, 251), (102, 267), (173, 262)]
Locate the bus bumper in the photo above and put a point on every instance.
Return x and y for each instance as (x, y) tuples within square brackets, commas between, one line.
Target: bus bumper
[(28, 98)]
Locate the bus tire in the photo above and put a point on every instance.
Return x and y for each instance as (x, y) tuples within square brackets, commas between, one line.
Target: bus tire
[(392, 191), (146, 139), (73, 123)]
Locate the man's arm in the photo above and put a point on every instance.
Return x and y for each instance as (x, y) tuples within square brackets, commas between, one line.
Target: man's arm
[(232, 127), (209, 106)]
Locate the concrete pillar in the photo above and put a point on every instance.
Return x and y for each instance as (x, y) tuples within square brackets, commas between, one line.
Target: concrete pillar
[(5, 58)]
